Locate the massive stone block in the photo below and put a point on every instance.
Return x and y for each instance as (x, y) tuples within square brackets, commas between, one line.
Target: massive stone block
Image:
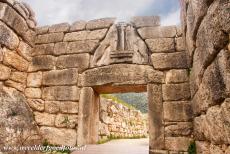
[(78, 26), (59, 136), (36, 104), (121, 74), (178, 129), (44, 49), (100, 23), (177, 111), (8, 37), (161, 45), (177, 76), (146, 21), (157, 32), (66, 121), (44, 119), (42, 63), (177, 143), (87, 46), (63, 27), (175, 92), (34, 79), (25, 50), (19, 77), (33, 93), (80, 61), (4, 72), (49, 38), (156, 124), (166, 61), (62, 93), (60, 77)]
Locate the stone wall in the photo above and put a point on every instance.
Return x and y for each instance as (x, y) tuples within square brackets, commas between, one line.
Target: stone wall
[(207, 32), (17, 32), (119, 121)]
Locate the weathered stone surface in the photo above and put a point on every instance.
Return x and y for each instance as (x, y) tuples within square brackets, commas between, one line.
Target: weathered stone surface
[(177, 76), (87, 46), (52, 106), (1, 54), (157, 32), (216, 149), (68, 107), (164, 61), (178, 111), (65, 120), (42, 63), (60, 77), (86, 35), (18, 77), (158, 151), (25, 51), (8, 37), (14, 60), (178, 129), (161, 45), (177, 143), (36, 104), (33, 93), (4, 72), (63, 27), (180, 44), (15, 116), (44, 119), (34, 79), (59, 136), (19, 86), (62, 93), (60, 48), (42, 30), (100, 23), (49, 38), (156, 125), (202, 147), (175, 92), (179, 31), (78, 25), (146, 21), (80, 61), (211, 90), (121, 74), (44, 49)]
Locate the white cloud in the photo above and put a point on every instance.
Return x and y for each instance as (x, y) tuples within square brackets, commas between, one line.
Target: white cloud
[(171, 19), (57, 11)]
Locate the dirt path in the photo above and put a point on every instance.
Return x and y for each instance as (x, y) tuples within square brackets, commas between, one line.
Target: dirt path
[(124, 146)]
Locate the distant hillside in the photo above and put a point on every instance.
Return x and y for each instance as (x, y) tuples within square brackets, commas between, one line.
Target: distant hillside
[(137, 100)]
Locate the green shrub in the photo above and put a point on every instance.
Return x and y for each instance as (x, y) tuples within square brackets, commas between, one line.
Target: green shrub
[(192, 148)]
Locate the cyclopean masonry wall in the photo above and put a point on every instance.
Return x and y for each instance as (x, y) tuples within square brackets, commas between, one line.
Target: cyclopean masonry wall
[(118, 121), (207, 31), (70, 65), (17, 33)]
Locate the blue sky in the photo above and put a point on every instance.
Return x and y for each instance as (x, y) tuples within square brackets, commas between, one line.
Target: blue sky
[(57, 11)]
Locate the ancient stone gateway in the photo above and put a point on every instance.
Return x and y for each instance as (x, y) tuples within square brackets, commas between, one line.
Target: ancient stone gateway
[(51, 76)]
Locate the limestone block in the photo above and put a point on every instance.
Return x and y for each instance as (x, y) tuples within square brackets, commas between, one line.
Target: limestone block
[(52, 106), (60, 77), (61, 93), (60, 48), (158, 151), (157, 32), (80, 61), (178, 31), (63, 27), (14, 60), (161, 45), (65, 120), (49, 38), (100, 23), (34, 79), (86, 35), (59, 136), (87, 46), (177, 143), (146, 21), (1, 54), (33, 93), (44, 119), (19, 86), (8, 37), (202, 147), (178, 111), (178, 129), (164, 61), (78, 25), (177, 76), (216, 149), (122, 74), (175, 92), (25, 51), (36, 104), (39, 63), (4, 72), (156, 125), (180, 44), (69, 107), (18, 77), (44, 49), (42, 30)]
